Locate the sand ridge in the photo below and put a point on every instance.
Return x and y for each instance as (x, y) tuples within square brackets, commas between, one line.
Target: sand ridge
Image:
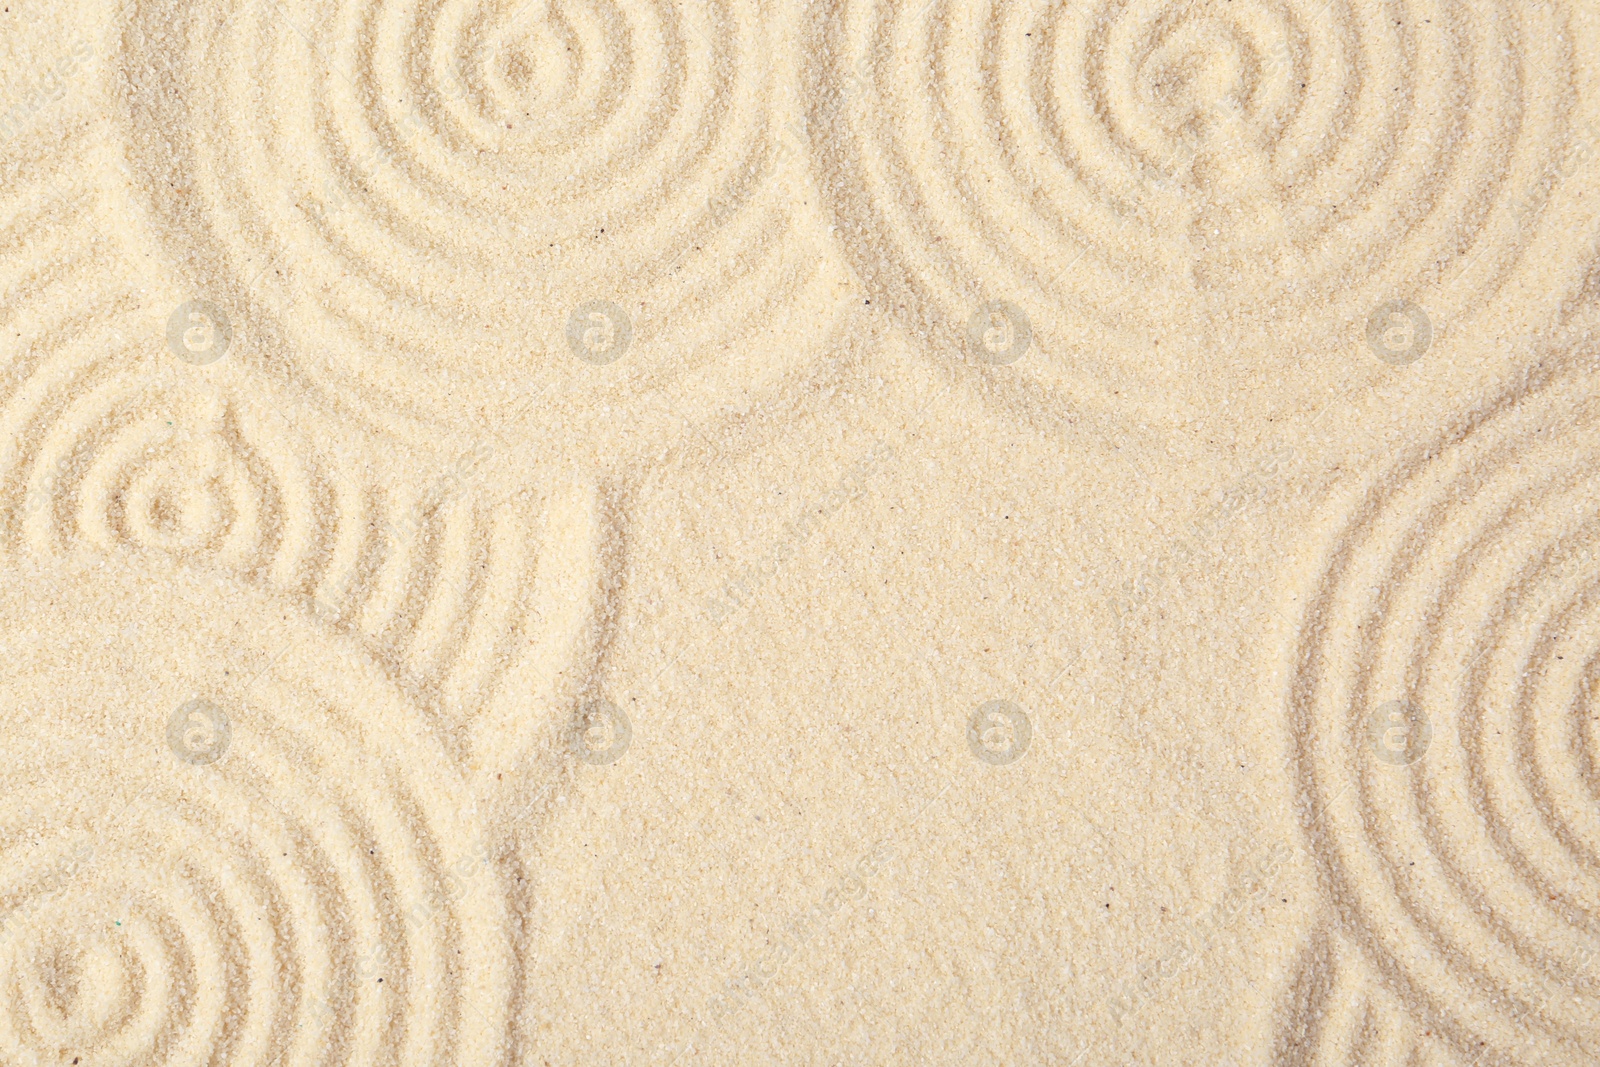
[(218, 894), (429, 210), (1452, 624), (862, 532), (114, 451), (1193, 209)]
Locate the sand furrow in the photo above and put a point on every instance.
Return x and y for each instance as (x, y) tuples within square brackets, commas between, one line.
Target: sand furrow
[(460, 221), (116, 446), (1196, 209), (190, 872), (1443, 705)]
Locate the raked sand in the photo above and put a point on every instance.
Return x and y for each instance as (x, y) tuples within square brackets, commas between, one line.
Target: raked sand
[(562, 532)]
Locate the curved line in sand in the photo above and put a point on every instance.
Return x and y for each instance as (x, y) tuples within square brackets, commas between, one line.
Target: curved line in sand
[(113, 447), (1464, 584), (1341, 1016), (1200, 200), (316, 892), (408, 198)]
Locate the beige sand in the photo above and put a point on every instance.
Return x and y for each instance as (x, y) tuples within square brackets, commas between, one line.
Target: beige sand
[(856, 532)]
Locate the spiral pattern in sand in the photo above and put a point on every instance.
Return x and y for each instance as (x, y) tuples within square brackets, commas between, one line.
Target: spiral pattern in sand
[(1463, 596), (422, 195), (1194, 204), (319, 893), (1339, 1015), (113, 445)]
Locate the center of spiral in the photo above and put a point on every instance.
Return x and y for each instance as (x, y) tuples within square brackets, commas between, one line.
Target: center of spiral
[(75, 985), (1196, 77), (182, 516)]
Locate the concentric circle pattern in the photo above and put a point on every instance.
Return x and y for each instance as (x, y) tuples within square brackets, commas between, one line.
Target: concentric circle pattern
[(124, 452), (419, 195), (1338, 1015), (318, 894), (114, 445), (1466, 586), (1196, 203)]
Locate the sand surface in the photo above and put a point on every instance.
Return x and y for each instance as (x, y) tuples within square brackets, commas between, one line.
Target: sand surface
[(772, 532)]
